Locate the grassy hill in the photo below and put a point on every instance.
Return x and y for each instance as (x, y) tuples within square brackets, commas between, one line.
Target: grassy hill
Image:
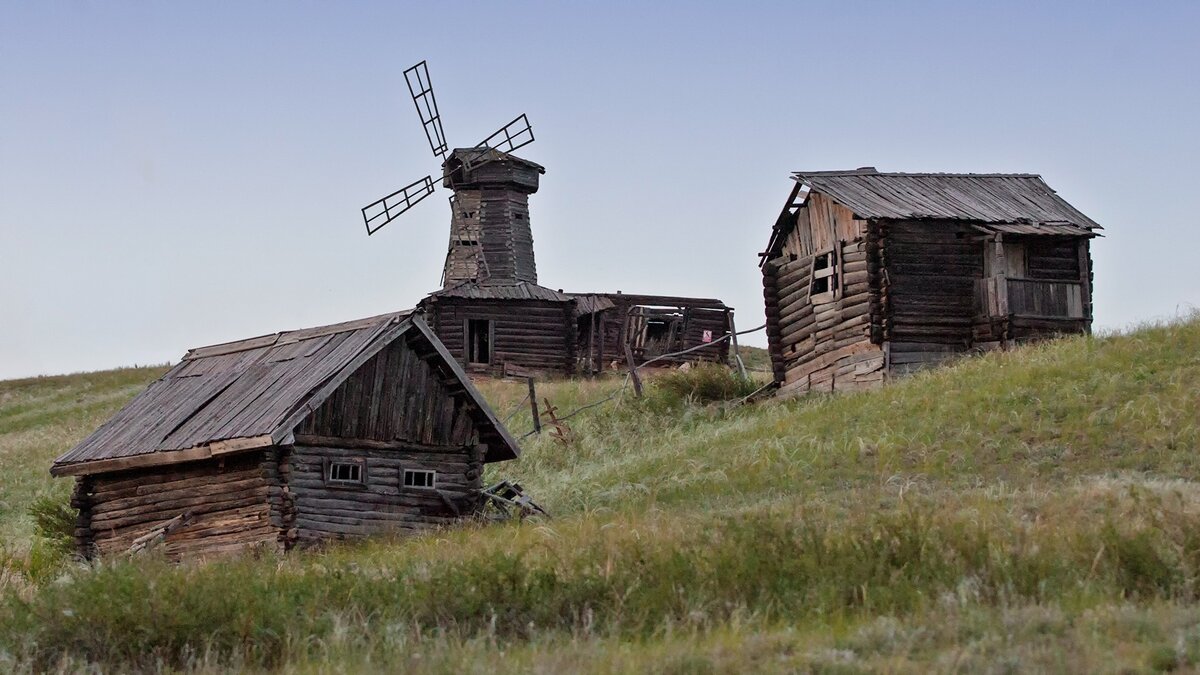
[(1031, 510)]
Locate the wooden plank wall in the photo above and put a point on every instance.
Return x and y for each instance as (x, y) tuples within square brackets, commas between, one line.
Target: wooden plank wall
[(228, 500), (506, 236), (462, 260), (932, 268), (1052, 258), (831, 345), (819, 223), (826, 346), (395, 395), (531, 334), (383, 505)]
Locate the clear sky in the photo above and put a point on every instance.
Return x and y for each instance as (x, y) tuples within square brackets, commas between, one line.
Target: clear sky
[(176, 174)]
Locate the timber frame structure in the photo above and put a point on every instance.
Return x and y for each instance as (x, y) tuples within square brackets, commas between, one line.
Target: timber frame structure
[(494, 317), (869, 275), (289, 439)]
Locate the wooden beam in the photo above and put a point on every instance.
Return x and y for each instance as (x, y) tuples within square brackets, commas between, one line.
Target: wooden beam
[(206, 451)]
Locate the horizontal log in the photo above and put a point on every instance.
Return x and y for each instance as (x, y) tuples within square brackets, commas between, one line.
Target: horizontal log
[(108, 505), (126, 518), (147, 478)]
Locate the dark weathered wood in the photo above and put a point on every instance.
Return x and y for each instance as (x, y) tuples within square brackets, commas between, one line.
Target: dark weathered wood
[(633, 373), (916, 285), (533, 407)]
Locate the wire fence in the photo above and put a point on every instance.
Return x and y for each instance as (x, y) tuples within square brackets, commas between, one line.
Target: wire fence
[(625, 383)]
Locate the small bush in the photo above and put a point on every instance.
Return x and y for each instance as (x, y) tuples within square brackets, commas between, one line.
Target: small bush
[(54, 523), (702, 383)]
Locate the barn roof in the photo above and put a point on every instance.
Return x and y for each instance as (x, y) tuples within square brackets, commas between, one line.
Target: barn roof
[(522, 290), (1012, 202), (251, 393)]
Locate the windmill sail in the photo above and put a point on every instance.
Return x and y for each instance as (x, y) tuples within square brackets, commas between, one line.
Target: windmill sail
[(381, 211), (516, 134), (421, 89)]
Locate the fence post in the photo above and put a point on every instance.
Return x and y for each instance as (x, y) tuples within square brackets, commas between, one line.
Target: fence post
[(533, 409), (633, 374), (737, 356)]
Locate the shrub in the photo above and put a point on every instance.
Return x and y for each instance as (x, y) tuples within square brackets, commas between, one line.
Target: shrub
[(54, 523), (702, 383)]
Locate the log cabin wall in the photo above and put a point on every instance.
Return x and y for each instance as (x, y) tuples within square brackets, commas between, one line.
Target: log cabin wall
[(531, 334), (227, 500), (820, 331), (381, 503), (932, 268), (394, 396), (394, 413)]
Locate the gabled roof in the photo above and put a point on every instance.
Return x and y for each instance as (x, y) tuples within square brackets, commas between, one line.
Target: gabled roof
[(251, 393), (521, 290), (994, 198)]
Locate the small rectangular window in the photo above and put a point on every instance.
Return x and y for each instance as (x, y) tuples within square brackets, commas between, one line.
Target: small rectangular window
[(420, 478), (825, 280), (348, 473), (479, 340)]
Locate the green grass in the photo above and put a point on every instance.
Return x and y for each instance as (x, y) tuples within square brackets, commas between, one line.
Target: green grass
[(1031, 510)]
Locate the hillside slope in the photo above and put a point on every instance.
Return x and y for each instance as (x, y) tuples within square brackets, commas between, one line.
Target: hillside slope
[(1037, 509)]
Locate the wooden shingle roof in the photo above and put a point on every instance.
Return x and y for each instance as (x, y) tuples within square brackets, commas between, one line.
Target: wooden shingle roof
[(251, 393), (1004, 200), (521, 290)]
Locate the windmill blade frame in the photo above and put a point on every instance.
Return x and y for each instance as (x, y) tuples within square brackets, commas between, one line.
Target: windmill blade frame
[(420, 87), (396, 203), (508, 138)]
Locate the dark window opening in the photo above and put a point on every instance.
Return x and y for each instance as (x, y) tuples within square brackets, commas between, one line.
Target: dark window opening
[(419, 478), (479, 341), (825, 274), (345, 472), (657, 329)]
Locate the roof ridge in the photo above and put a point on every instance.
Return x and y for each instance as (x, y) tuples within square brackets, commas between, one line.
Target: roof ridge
[(297, 334), (854, 172)]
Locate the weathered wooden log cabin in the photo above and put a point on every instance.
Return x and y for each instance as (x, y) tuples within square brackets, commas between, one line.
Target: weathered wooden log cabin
[(340, 431), (871, 274), (495, 318)]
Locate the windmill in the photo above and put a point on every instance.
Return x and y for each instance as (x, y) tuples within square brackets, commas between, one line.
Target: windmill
[(490, 237)]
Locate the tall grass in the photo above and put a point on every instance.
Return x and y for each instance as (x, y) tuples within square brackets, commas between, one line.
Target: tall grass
[(637, 578), (1036, 509)]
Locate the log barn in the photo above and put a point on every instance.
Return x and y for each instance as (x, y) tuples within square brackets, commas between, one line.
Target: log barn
[(289, 439), (494, 317), (870, 274), (524, 328)]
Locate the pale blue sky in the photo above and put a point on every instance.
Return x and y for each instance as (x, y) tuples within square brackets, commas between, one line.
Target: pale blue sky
[(173, 175)]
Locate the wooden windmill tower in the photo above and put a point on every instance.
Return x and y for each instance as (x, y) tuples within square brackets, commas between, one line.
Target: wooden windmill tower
[(490, 237)]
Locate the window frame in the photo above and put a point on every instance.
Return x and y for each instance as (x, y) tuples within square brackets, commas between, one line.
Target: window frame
[(832, 271), (359, 463), (469, 346), (406, 472)]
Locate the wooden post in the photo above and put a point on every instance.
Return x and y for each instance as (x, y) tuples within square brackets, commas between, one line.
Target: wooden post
[(592, 344), (1085, 278), (533, 409), (633, 374), (737, 357)]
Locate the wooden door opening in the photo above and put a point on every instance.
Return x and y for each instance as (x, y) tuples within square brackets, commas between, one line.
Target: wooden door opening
[(480, 335)]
